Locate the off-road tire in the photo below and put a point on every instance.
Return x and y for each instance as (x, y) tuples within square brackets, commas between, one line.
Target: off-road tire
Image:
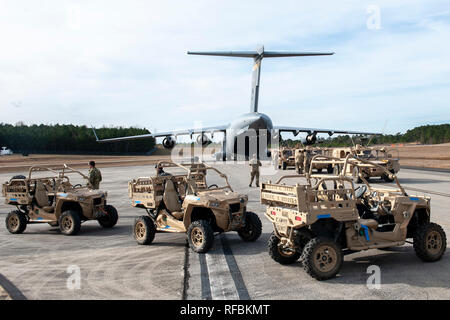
[(355, 175), (278, 255), (430, 242), (16, 222), (330, 169), (252, 229), (70, 222), (326, 267), (200, 236), (110, 219), (144, 230), (284, 165)]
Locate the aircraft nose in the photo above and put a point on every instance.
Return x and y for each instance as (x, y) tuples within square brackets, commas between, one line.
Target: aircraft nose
[(260, 122)]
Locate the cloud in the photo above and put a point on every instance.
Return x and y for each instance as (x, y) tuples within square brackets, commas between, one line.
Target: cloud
[(103, 62)]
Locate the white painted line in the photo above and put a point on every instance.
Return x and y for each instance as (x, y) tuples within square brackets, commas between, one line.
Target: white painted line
[(221, 281)]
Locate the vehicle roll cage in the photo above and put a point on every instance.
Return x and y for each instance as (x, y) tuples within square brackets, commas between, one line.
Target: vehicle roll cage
[(60, 172), (169, 164), (356, 161)]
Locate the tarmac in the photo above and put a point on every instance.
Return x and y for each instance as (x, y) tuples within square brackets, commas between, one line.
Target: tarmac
[(40, 263)]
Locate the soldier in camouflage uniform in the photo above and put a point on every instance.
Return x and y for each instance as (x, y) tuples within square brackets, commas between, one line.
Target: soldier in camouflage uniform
[(94, 176), (254, 164), (299, 160), (307, 159)]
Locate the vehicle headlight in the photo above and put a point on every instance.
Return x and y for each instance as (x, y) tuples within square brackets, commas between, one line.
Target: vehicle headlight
[(214, 204), (81, 199)]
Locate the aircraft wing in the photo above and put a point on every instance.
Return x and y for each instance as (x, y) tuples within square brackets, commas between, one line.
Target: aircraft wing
[(297, 130), (174, 133)]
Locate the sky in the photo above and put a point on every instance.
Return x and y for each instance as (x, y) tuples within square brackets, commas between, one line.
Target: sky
[(124, 63)]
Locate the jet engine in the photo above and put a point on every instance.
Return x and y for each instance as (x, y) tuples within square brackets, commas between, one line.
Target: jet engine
[(203, 140), (311, 138), (168, 142)]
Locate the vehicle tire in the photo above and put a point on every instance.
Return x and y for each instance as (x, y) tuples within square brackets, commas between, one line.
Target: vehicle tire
[(110, 219), (430, 242), (252, 229), (144, 230), (18, 177), (336, 170), (322, 258), (200, 236), (69, 222), (355, 175), (386, 178), (16, 222), (302, 237), (319, 170), (284, 165), (330, 169), (279, 255)]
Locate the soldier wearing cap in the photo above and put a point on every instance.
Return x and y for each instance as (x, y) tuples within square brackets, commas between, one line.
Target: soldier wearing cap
[(94, 176), (254, 173)]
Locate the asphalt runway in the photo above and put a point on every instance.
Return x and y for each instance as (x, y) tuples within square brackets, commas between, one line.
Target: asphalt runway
[(113, 266)]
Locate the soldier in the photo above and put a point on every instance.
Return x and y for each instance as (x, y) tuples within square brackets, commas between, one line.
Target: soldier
[(94, 176), (307, 159), (299, 160), (254, 164), (160, 171)]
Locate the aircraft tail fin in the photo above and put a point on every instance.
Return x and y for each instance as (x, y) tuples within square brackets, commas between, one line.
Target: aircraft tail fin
[(257, 56)]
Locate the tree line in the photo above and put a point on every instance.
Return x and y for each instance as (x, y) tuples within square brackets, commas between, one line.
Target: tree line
[(71, 139), (428, 134)]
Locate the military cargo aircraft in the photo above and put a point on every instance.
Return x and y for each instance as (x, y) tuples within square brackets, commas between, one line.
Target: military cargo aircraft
[(259, 124)]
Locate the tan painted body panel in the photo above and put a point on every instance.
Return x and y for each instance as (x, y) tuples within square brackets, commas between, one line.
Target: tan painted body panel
[(292, 207), (58, 192), (287, 156), (227, 207), (380, 157)]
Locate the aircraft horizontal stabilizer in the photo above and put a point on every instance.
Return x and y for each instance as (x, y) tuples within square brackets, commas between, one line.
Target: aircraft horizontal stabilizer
[(256, 54)]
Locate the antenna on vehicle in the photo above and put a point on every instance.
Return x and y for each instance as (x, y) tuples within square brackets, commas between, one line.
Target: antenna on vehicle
[(382, 132), (353, 142), (257, 56)]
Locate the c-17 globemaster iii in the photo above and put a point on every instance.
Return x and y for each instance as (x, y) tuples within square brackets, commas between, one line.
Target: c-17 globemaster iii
[(246, 131)]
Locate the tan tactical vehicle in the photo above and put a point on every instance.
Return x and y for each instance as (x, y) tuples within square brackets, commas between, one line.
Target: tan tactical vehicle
[(321, 217), (379, 155), (286, 158), (308, 153), (183, 202), (54, 200)]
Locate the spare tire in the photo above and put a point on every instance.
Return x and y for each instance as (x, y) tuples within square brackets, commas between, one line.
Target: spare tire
[(18, 177)]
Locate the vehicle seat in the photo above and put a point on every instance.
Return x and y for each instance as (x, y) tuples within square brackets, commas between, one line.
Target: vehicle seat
[(371, 223), (41, 195), (171, 200), (49, 209), (325, 196)]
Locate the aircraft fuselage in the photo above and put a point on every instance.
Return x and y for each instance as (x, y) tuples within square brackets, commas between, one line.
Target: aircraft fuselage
[(243, 136)]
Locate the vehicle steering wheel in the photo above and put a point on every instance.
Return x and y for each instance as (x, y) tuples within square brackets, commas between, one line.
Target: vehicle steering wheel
[(360, 191), (213, 185), (78, 185)]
